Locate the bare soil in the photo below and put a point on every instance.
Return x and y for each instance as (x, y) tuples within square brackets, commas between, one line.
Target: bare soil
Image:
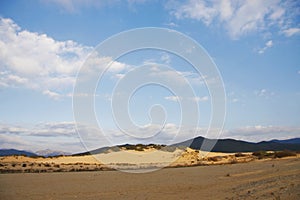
[(260, 179)]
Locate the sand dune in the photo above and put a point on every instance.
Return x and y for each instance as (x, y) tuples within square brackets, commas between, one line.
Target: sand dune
[(141, 161)]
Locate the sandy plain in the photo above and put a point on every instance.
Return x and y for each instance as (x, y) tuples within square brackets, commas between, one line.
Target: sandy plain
[(259, 179)]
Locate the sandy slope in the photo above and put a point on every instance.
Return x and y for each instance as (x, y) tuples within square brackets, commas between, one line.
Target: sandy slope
[(122, 160), (271, 179), (140, 161)]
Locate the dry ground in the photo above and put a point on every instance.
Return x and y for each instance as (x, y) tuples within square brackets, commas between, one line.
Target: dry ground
[(262, 179), (122, 160)]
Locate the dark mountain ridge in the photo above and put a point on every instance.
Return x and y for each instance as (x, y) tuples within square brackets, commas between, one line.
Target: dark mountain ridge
[(232, 145), (11, 152), (222, 145)]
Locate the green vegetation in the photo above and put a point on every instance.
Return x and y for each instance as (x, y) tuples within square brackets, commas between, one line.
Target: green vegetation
[(141, 147), (276, 154), (240, 155)]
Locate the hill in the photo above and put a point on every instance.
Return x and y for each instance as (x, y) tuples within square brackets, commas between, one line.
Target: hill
[(288, 141), (9, 152), (222, 145), (49, 152), (231, 145)]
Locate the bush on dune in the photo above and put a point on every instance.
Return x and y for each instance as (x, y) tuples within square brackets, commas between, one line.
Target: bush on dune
[(286, 153), (277, 154)]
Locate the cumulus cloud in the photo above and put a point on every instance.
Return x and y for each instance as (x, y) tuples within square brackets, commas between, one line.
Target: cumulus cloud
[(262, 133), (199, 10), (36, 61), (268, 45), (291, 31), (63, 136), (56, 136), (43, 129), (240, 17)]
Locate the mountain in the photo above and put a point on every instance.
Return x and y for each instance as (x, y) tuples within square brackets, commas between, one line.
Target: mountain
[(137, 147), (231, 145), (288, 141), (96, 151), (49, 152), (10, 152), (222, 145)]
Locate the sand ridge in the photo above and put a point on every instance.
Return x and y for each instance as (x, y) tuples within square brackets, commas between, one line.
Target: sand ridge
[(122, 160)]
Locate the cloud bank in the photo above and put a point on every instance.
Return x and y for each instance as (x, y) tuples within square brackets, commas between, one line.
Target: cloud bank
[(239, 17), (64, 137)]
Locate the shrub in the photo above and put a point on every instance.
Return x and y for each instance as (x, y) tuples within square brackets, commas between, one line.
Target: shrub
[(262, 154), (233, 161), (215, 158), (24, 165), (47, 165), (240, 155), (285, 153), (277, 154)]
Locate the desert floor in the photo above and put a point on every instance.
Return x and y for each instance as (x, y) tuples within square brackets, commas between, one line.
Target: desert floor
[(263, 179)]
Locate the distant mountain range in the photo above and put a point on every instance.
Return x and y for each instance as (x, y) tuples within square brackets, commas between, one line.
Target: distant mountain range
[(289, 141), (10, 152), (222, 145), (45, 153), (231, 145), (49, 152)]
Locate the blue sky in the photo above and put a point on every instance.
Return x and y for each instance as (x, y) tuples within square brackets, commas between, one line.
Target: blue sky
[(255, 45)]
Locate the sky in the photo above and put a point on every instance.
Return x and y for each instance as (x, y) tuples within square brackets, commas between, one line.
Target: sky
[(254, 44)]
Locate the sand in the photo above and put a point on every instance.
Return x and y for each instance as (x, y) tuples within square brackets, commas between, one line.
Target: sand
[(122, 160), (261, 179)]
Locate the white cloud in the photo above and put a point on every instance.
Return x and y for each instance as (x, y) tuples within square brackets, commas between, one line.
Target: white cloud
[(235, 100), (239, 17), (268, 44), (264, 93), (262, 133), (56, 135), (165, 58), (51, 94), (198, 10), (63, 136), (173, 98), (291, 31), (177, 98), (36, 61), (75, 6), (96, 62), (171, 24), (200, 99), (119, 76)]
